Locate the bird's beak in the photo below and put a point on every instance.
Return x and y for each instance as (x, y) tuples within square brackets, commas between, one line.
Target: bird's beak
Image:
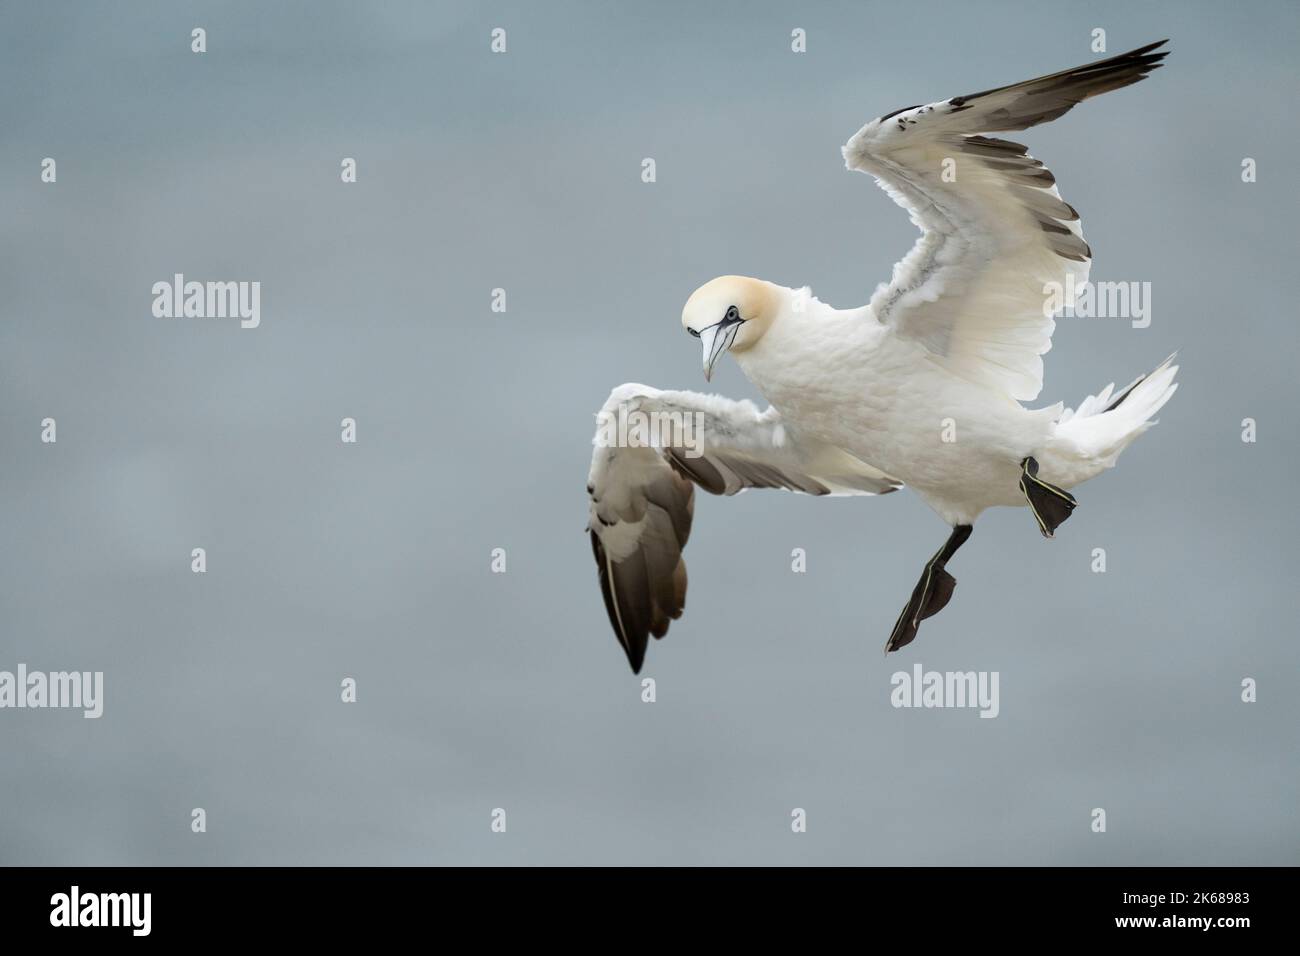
[(717, 339)]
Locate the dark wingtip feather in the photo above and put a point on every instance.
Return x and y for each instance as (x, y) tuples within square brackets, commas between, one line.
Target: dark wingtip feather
[(607, 592), (1045, 98)]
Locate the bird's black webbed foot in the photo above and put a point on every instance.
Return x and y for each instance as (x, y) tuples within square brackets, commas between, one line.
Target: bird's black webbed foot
[(931, 594), (1051, 505)]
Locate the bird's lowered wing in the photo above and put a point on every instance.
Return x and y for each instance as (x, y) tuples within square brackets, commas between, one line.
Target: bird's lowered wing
[(995, 231), (652, 448)]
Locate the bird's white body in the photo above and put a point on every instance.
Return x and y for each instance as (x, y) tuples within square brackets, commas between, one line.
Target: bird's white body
[(841, 377), (921, 387)]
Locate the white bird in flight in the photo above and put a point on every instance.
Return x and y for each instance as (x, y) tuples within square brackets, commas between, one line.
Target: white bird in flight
[(921, 387)]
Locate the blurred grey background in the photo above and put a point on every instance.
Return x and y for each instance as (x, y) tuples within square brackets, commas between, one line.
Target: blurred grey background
[(479, 690)]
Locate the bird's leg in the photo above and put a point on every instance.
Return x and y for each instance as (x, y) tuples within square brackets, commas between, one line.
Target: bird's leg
[(932, 591), (1051, 505)]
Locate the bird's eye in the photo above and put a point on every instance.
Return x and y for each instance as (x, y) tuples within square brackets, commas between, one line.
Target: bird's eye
[(733, 313), (694, 333)]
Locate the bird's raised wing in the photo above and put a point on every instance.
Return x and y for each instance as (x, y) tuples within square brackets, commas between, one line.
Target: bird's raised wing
[(995, 231), (652, 448)]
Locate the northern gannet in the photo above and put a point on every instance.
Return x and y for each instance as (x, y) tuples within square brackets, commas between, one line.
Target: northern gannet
[(921, 387)]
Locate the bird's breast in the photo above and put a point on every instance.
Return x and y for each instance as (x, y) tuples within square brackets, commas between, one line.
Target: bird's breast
[(890, 406), (836, 389)]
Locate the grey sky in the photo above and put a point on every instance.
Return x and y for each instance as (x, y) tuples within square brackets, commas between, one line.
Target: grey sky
[(476, 690)]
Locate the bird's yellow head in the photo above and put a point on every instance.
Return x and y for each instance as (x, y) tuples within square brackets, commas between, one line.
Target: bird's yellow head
[(730, 313)]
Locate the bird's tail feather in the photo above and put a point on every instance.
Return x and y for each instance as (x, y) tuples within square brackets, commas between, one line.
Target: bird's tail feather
[(1088, 440)]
